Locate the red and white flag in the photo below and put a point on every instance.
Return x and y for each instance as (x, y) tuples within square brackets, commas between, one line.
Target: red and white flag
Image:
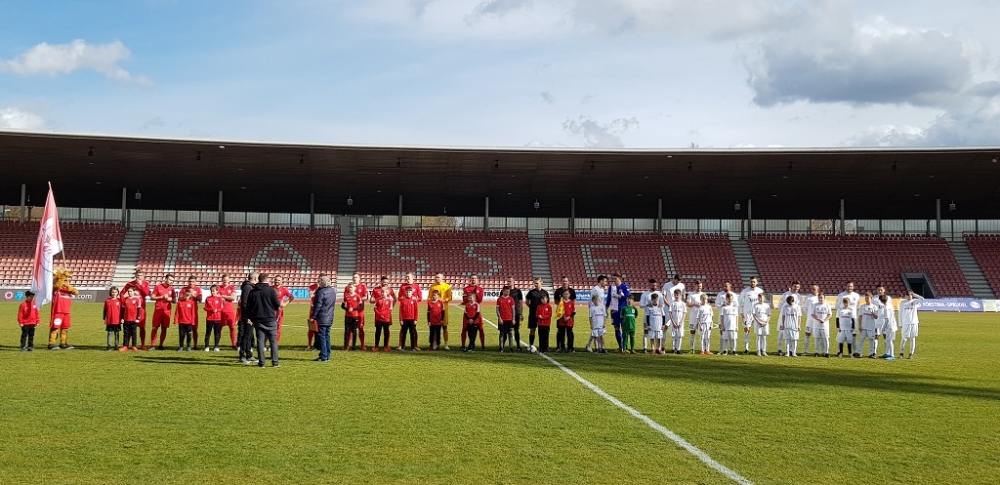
[(50, 243)]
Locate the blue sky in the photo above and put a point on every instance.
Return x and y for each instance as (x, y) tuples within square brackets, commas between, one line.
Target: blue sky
[(578, 73)]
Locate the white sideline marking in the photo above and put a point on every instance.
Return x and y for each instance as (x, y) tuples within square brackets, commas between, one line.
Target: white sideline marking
[(694, 450)]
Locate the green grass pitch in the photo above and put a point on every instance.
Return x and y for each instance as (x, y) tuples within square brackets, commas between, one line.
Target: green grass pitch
[(87, 416)]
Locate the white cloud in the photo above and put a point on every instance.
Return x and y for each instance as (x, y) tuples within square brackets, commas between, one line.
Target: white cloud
[(600, 135), (19, 119), (56, 59)]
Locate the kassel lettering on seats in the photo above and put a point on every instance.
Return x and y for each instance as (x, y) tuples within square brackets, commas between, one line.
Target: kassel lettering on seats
[(174, 255), (264, 256), (495, 267), (394, 251)]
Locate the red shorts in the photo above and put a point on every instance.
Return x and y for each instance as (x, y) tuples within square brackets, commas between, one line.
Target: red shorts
[(161, 318), (361, 320), (228, 320), (142, 317), (60, 320)]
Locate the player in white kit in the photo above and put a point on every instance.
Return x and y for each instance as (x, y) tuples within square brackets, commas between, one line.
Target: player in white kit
[(762, 324), (820, 316), (675, 323), (693, 303), (748, 299), (869, 326), (793, 291), (720, 300), (909, 321), (597, 315), (705, 324), (791, 316), (810, 303), (845, 327), (654, 321), (644, 302), (855, 300), (729, 316), (886, 324)]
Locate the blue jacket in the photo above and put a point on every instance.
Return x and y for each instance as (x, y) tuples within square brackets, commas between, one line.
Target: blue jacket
[(324, 301), (623, 289)]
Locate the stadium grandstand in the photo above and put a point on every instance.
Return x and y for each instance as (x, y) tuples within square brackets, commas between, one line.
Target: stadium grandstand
[(298, 210)]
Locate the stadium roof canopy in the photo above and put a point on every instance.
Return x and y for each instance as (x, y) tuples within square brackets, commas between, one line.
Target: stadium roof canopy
[(694, 183)]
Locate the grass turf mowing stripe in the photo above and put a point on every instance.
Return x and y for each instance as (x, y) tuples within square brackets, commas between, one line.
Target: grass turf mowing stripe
[(694, 450)]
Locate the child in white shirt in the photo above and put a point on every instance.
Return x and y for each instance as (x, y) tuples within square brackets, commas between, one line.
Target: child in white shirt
[(654, 323), (909, 321), (886, 326), (761, 324), (729, 319), (676, 323), (869, 329), (597, 316), (845, 327), (820, 317), (791, 313), (705, 324)]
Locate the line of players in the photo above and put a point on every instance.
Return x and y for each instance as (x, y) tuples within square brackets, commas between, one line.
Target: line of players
[(856, 324)]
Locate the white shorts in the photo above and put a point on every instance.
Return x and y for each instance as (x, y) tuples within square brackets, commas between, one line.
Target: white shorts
[(693, 326), (910, 331), (868, 333), (597, 332), (845, 337), (790, 334), (654, 334), (759, 330), (729, 335), (889, 328), (706, 330), (821, 333), (890, 334), (809, 328), (676, 331)]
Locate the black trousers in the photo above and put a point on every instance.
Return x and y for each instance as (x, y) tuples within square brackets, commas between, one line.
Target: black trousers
[(408, 326), (543, 338), (380, 330), (350, 330), (435, 336), (505, 328), (213, 327), (245, 339), (560, 338), (473, 332), (517, 332), (28, 336), (131, 339), (184, 332)]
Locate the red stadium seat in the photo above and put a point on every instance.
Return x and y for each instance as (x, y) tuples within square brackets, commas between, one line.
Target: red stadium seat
[(90, 250), (986, 250)]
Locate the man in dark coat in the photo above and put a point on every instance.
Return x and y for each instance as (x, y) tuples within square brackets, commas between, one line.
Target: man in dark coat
[(324, 301), (262, 312)]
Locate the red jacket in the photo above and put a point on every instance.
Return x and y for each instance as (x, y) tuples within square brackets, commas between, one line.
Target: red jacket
[(544, 315), (132, 309), (475, 290), (435, 312), (228, 307), (417, 294), (408, 308), (214, 306), (383, 306), (187, 311), (505, 308), (27, 314), (569, 309), (353, 305), (112, 311), (472, 313)]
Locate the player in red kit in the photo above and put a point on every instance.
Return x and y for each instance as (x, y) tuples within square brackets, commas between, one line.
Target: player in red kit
[(505, 313), (198, 298), (228, 294), (476, 292), (435, 318), (213, 317), (362, 291), (408, 318), (408, 282), (130, 316), (285, 297), (141, 287), (472, 320), (27, 319), (543, 312), (113, 317), (163, 295), (352, 305), (184, 317), (384, 298)]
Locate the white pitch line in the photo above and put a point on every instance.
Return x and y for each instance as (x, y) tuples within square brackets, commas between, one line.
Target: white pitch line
[(694, 450)]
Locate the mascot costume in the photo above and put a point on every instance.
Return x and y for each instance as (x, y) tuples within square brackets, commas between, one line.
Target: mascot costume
[(62, 300)]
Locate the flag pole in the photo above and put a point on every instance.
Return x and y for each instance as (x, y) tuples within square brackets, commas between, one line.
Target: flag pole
[(62, 252)]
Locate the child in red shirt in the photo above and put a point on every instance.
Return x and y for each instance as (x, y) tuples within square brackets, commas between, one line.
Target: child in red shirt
[(544, 315), (27, 319), (564, 323), (214, 306), (505, 314), (408, 318), (383, 297), (435, 318), (113, 317), (131, 315), (184, 317), (472, 321), (352, 306)]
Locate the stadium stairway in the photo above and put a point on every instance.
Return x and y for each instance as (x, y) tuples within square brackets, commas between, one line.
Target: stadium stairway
[(973, 273), (745, 262), (540, 266), (348, 262), (128, 257)]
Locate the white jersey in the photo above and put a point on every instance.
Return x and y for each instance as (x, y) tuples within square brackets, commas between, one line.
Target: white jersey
[(729, 316), (694, 302), (845, 317), (908, 310), (809, 304), (888, 303), (795, 296), (790, 316), (748, 298), (762, 313), (823, 312), (647, 296), (705, 317), (885, 322), (677, 311), (852, 297), (668, 290), (602, 295), (655, 315), (597, 316), (869, 315)]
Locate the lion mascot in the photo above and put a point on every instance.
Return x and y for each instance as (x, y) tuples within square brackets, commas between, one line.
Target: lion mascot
[(62, 299)]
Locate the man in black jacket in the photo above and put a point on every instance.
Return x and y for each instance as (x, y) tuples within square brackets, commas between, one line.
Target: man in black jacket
[(244, 338), (324, 302), (262, 307)]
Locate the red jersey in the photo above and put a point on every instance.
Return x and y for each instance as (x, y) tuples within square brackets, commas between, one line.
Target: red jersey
[(472, 314), (141, 288), (362, 291), (27, 314), (435, 312), (132, 309), (312, 294), (544, 315), (505, 308), (383, 304), (112, 311), (475, 290), (187, 310), (213, 308), (569, 308), (352, 305), (62, 300), (228, 307), (408, 308), (167, 291), (417, 294)]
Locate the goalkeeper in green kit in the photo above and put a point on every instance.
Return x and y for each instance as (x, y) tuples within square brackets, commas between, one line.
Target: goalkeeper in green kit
[(629, 314)]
